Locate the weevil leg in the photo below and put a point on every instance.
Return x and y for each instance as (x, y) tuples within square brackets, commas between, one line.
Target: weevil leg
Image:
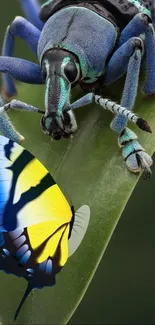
[(153, 14), (136, 27), (133, 153), (118, 64), (6, 126), (24, 71), (142, 24), (25, 30), (149, 85), (127, 59), (31, 9), (135, 157), (18, 105)]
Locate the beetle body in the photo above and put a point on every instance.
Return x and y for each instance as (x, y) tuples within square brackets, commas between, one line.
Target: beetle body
[(90, 43), (118, 12)]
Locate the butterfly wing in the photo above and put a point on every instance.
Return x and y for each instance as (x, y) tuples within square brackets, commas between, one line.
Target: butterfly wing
[(28, 193), (80, 225), (50, 240), (34, 219)]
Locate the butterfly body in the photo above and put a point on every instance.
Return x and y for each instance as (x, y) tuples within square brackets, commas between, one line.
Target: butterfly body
[(37, 225)]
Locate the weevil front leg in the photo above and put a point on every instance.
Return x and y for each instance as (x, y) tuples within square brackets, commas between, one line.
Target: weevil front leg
[(130, 59), (24, 71), (31, 9), (6, 126), (22, 28), (19, 106)]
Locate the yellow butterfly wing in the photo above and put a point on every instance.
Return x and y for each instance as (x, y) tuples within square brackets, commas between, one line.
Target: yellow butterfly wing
[(49, 205), (55, 239), (35, 197)]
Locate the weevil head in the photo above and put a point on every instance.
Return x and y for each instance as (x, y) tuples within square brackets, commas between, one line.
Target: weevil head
[(61, 71)]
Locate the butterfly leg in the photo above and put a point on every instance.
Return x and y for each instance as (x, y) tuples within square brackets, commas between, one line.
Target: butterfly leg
[(22, 28), (24, 71), (130, 59), (31, 9)]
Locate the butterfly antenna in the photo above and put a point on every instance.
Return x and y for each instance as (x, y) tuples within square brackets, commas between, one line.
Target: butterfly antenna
[(27, 292)]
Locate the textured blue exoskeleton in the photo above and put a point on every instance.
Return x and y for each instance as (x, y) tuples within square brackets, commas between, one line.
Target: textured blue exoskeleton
[(92, 43)]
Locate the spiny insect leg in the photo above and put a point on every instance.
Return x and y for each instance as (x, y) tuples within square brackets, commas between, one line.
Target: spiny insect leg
[(6, 126), (133, 153), (24, 71), (130, 90), (22, 28), (142, 24), (31, 9)]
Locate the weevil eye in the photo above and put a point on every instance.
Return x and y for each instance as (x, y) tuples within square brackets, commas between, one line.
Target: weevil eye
[(72, 72)]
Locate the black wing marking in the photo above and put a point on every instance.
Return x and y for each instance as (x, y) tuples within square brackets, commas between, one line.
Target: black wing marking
[(8, 149)]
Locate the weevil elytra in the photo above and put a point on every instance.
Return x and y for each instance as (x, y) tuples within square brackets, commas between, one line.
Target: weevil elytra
[(88, 42)]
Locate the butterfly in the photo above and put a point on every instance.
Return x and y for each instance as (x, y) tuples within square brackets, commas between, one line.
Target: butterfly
[(39, 230)]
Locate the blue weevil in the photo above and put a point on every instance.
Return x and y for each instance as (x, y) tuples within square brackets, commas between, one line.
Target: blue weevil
[(87, 42)]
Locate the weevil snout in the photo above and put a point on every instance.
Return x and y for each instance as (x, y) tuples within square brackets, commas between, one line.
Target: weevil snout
[(61, 71), (59, 127)]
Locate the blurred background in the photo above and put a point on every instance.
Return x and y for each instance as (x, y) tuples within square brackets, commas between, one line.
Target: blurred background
[(123, 288)]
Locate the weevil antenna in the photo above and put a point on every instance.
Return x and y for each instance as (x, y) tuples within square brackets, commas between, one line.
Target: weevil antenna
[(26, 294), (118, 109)]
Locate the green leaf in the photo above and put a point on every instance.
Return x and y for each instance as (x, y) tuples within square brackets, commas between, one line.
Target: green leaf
[(90, 170)]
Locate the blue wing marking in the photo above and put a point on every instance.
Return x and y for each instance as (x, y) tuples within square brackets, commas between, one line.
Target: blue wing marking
[(25, 257)]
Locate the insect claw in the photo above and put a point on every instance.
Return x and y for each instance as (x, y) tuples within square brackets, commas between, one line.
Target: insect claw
[(147, 173), (21, 140), (4, 108), (145, 162)]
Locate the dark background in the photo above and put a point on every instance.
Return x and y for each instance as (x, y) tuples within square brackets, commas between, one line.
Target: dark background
[(123, 289)]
